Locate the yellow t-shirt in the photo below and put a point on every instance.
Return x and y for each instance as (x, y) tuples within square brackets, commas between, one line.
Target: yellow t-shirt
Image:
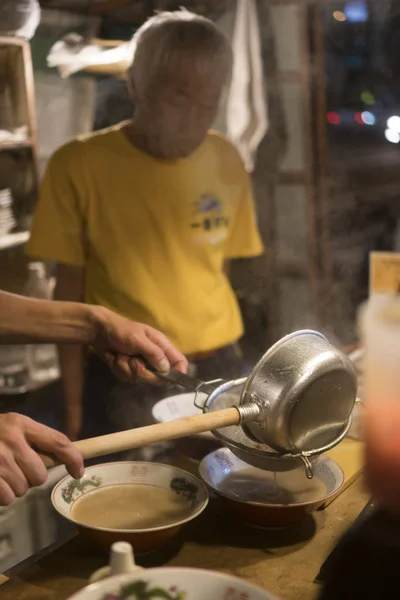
[(152, 234)]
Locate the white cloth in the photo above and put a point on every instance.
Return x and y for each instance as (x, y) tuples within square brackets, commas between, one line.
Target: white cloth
[(247, 115), (70, 54)]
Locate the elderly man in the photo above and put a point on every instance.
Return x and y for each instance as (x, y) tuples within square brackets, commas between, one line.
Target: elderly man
[(144, 217)]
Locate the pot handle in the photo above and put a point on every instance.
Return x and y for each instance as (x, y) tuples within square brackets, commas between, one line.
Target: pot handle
[(191, 383), (307, 465), (206, 388), (186, 381)]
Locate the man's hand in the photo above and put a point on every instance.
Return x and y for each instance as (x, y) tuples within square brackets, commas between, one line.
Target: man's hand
[(20, 466), (122, 343)]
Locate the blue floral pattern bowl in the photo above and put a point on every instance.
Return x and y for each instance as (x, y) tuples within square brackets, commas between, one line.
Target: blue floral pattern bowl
[(173, 584), (187, 486)]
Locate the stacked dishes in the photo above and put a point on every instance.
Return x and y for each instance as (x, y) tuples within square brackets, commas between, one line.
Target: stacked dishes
[(7, 221)]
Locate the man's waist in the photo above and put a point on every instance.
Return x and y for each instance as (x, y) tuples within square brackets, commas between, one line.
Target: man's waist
[(198, 337), (192, 358), (199, 356), (204, 355)]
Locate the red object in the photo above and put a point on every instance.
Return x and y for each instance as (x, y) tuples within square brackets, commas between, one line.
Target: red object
[(333, 118), (382, 420), (358, 118)]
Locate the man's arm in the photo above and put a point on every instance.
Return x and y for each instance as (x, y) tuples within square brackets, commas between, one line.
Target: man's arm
[(70, 287), (30, 321), (118, 341)]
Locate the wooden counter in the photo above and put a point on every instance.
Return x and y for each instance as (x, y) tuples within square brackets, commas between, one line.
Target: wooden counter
[(284, 562)]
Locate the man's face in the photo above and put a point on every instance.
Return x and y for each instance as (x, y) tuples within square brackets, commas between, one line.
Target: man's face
[(176, 112)]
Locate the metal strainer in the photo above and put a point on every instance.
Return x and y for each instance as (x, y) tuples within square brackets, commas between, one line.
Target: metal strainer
[(295, 404), (306, 389)]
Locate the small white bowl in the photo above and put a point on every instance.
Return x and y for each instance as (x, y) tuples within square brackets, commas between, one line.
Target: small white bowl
[(178, 583), (186, 485), (179, 406), (194, 447)]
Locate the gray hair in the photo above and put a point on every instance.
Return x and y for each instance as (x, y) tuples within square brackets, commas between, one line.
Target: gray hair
[(178, 37)]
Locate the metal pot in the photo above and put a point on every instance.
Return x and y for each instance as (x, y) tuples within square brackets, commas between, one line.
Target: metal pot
[(306, 388)]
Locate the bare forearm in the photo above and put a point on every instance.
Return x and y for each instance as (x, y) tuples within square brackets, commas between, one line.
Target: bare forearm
[(26, 320)]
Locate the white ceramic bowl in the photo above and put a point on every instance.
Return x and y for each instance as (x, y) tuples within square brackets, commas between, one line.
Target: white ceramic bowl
[(178, 407), (178, 584), (194, 447), (241, 487), (68, 491)]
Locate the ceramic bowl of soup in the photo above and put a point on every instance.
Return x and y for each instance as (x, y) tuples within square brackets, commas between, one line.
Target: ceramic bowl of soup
[(268, 499), (194, 447), (145, 504), (173, 584)]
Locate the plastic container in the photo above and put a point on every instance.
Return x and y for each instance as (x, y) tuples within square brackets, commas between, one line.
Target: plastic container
[(14, 370), (16, 543), (379, 328)]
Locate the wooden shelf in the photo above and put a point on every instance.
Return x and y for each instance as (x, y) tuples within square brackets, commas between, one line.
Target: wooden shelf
[(18, 106), (16, 145), (12, 41), (18, 153), (11, 240)]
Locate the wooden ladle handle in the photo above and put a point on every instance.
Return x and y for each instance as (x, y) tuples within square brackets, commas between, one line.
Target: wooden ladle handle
[(152, 434)]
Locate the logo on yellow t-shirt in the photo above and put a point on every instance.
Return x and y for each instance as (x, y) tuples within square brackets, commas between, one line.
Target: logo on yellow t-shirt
[(209, 221)]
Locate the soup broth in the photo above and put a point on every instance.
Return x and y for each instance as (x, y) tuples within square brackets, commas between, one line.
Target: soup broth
[(130, 506), (254, 485)]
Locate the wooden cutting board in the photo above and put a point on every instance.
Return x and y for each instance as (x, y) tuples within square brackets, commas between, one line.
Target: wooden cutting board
[(349, 455)]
